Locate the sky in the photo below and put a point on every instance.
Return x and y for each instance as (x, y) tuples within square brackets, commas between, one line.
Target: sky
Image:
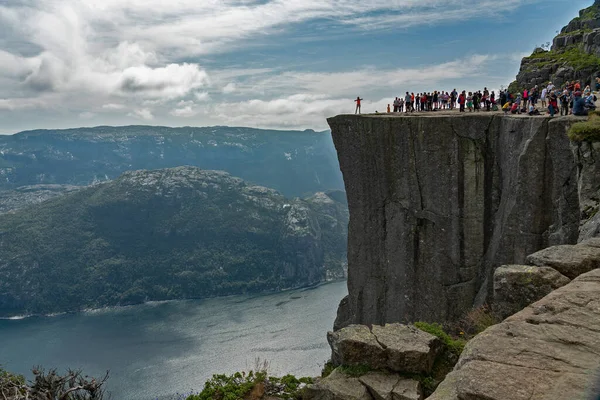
[(286, 64)]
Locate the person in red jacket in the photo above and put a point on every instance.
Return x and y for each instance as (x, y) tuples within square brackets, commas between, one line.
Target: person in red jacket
[(357, 101), (462, 99)]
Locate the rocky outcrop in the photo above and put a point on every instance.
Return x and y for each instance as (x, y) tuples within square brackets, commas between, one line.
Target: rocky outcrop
[(371, 386), (564, 61), (569, 260), (395, 347), (438, 202), (588, 156), (550, 350), (517, 286)]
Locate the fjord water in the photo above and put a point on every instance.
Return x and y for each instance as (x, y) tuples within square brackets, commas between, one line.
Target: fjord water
[(155, 350)]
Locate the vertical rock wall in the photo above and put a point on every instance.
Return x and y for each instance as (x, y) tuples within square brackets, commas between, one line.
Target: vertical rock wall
[(438, 201)]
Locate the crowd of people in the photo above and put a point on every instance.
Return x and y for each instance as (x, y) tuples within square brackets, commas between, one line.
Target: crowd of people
[(434, 101), (568, 99)]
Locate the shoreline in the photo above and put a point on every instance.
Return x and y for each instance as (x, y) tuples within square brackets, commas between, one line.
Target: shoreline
[(159, 302)]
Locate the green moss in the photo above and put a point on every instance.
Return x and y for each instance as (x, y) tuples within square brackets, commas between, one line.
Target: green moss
[(327, 369), (573, 56), (455, 346), (585, 131), (355, 370)]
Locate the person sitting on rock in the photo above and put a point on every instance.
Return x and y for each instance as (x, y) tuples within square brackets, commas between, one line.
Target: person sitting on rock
[(579, 104), (515, 109), (590, 102), (506, 107)]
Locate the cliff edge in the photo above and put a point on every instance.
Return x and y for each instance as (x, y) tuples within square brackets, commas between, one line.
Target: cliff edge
[(437, 202)]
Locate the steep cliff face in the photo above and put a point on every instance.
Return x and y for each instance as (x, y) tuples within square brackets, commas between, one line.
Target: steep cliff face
[(438, 202)]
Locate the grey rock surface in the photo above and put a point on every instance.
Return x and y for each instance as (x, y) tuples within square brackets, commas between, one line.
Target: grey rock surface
[(437, 202), (384, 386), (569, 260), (517, 286), (371, 386), (548, 351), (396, 347), (337, 386)]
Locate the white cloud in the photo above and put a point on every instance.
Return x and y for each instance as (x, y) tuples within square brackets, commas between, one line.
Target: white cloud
[(87, 115), (185, 112), (229, 88), (142, 113), (202, 96), (171, 81), (113, 106), (144, 56)]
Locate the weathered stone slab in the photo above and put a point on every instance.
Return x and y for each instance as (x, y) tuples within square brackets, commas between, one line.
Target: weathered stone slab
[(569, 260), (407, 389), (396, 347), (408, 349), (517, 286), (356, 345), (550, 350), (337, 386)]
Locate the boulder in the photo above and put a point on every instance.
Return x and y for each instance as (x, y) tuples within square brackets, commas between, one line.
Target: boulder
[(550, 350), (592, 242), (337, 386), (396, 347), (384, 386), (408, 349), (569, 260), (356, 345), (517, 286)]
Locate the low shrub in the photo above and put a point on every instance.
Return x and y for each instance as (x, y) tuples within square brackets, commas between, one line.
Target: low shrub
[(586, 131), (454, 345)]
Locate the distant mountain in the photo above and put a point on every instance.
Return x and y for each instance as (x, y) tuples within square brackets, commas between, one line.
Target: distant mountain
[(297, 163), (24, 196), (166, 234)]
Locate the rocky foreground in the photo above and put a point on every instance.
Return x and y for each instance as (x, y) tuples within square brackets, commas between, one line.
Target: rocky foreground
[(548, 350)]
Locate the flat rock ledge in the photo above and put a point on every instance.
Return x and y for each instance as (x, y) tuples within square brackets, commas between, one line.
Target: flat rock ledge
[(548, 351), (569, 260), (394, 347), (517, 286), (371, 386)]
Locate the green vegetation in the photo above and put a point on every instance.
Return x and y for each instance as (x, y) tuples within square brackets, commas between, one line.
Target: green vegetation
[(327, 369), (573, 56), (166, 234), (253, 385), (588, 131), (355, 370), (454, 345), (73, 385)]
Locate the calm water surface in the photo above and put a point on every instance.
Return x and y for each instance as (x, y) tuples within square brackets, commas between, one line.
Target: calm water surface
[(156, 350)]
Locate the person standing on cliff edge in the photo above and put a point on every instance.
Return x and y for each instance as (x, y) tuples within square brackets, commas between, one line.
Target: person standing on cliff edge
[(357, 101)]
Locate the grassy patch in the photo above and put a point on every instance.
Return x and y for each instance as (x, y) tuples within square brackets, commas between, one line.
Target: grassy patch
[(454, 345), (327, 369), (355, 370), (573, 56), (586, 130)]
